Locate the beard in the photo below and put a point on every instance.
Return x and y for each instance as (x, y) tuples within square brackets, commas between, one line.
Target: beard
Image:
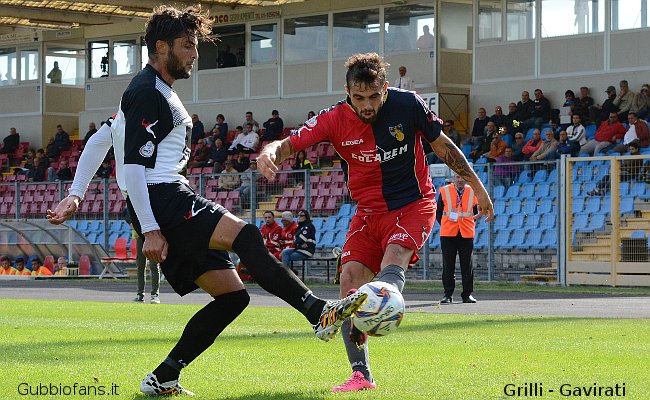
[(176, 68), (364, 119)]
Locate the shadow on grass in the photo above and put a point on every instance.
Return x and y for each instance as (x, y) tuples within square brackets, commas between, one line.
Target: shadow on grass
[(255, 396)]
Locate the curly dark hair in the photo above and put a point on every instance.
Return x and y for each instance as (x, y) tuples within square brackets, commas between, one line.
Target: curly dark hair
[(366, 68), (168, 23)]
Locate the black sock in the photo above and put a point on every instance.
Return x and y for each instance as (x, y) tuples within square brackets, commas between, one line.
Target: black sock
[(273, 276), (201, 331), (393, 274)]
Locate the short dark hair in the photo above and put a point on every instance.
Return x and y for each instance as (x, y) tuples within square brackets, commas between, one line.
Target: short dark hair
[(269, 212), (168, 23), (635, 143), (221, 116), (275, 112), (366, 68), (569, 93), (631, 113)]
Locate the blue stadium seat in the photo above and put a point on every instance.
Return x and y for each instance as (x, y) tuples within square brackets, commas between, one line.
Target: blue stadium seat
[(527, 191), (517, 239), (516, 222), (638, 234), (534, 240), (480, 241), (532, 221), (503, 239), (345, 210), (580, 222), (601, 172), (638, 189), (540, 176), (543, 190), (576, 188), (82, 225), (481, 160), (524, 177), (549, 239), (552, 176), (91, 237), (545, 206), (501, 221), (597, 222), (627, 205), (339, 239), (624, 188), (344, 223), (586, 174), (499, 206), (513, 192), (514, 207), (529, 135), (592, 205), (606, 205), (482, 176), (548, 221), (467, 148), (434, 240), (318, 223), (578, 204), (530, 207), (96, 226), (327, 240), (330, 223), (72, 224), (498, 192), (590, 131)]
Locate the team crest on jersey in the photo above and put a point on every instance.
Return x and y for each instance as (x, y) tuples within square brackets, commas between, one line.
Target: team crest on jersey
[(147, 149), (311, 122), (396, 132)]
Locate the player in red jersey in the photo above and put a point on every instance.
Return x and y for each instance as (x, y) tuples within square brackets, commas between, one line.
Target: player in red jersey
[(378, 132)]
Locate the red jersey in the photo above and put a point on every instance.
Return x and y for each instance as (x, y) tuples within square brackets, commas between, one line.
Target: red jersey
[(384, 161), (288, 235), (271, 235)]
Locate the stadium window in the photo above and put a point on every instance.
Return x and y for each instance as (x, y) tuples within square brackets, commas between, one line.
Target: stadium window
[(98, 59), (71, 63), (572, 17), (629, 14), (355, 32), (124, 56), (405, 28), (29, 65), (264, 44), (520, 19), (455, 27), (228, 51), (305, 38), (489, 19), (8, 66)]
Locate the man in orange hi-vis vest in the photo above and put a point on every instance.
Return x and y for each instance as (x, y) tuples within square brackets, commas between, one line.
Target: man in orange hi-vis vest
[(457, 208)]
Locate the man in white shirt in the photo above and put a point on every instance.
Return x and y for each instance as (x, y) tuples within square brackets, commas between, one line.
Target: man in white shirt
[(246, 141), (576, 132), (403, 82)]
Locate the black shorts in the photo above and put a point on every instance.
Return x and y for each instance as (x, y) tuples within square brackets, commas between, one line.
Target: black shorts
[(187, 222)]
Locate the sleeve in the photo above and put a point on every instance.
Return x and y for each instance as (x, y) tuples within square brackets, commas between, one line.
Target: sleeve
[(90, 160), (134, 179), (142, 115), (426, 120), (317, 129)]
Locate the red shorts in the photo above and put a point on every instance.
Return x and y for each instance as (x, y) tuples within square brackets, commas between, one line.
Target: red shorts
[(369, 235)]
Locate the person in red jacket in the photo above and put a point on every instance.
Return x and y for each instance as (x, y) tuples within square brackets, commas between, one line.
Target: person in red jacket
[(532, 145), (289, 227), (606, 136), (271, 232)]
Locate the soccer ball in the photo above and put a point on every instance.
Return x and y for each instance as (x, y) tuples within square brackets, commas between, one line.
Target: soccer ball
[(382, 311)]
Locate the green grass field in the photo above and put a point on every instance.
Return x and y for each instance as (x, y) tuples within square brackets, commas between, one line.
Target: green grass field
[(270, 353)]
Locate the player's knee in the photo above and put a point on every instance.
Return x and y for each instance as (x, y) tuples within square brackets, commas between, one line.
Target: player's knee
[(240, 300)]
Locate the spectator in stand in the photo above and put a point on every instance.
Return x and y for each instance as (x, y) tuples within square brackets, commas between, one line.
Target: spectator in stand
[(570, 101), (246, 142), (624, 101), (220, 129), (289, 227), (38, 172), (39, 269), (274, 127), (583, 103), (249, 118), (28, 163), (104, 171), (532, 145), (218, 154), (310, 115), (201, 156), (606, 135), (525, 107), (478, 129), (641, 103), (518, 147), (55, 75), (272, 234), (51, 150), (11, 142), (19, 265), (301, 162), (426, 41), (5, 266), (497, 147), (566, 146), (556, 128), (637, 131), (541, 112), (229, 179), (599, 113), (498, 118), (576, 135), (511, 121), (241, 162), (547, 150), (198, 130), (92, 129), (304, 243), (630, 170), (62, 139), (451, 132), (61, 267), (485, 144), (64, 173), (404, 82), (249, 178), (505, 174)]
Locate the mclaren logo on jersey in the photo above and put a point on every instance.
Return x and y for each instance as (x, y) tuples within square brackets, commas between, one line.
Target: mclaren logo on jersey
[(396, 132), (148, 126), (379, 155), (147, 149)]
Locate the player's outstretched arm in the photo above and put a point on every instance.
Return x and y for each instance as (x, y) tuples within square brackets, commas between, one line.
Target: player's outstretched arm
[(448, 152), (273, 154), (63, 210)]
